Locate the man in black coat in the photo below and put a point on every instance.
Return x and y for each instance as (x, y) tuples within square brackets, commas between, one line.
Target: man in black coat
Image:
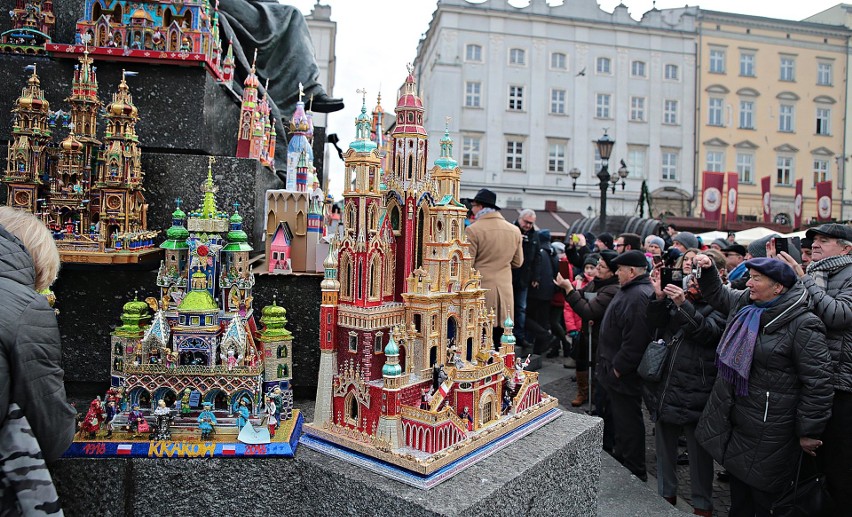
[(527, 275), (624, 335)]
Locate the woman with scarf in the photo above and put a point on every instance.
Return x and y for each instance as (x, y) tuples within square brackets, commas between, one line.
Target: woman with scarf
[(773, 393), (692, 329)]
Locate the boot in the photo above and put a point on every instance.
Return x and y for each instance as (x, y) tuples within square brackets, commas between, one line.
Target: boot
[(703, 513), (671, 499), (582, 389)]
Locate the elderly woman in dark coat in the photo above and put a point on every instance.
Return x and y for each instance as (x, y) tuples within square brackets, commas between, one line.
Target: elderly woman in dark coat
[(773, 394), (692, 329)]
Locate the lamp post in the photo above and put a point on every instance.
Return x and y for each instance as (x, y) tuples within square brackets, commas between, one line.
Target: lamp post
[(605, 145)]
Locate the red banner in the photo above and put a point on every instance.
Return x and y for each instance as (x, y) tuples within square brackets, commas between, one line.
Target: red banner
[(797, 205), (823, 190), (733, 196), (767, 198), (711, 195)]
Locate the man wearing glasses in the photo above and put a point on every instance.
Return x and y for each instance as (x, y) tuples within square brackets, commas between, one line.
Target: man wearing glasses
[(527, 275)]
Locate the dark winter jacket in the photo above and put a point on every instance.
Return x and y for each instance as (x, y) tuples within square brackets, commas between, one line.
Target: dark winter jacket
[(624, 337), (529, 270), (756, 437), (590, 304), (576, 254), (30, 352), (690, 370), (833, 305), (548, 267)]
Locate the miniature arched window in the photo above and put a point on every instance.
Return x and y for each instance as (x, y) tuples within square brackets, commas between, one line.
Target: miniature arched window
[(373, 218), (282, 351), (389, 271), (394, 217), (353, 409), (454, 230), (350, 216), (454, 266), (346, 277), (417, 322), (434, 326), (375, 278), (421, 214)]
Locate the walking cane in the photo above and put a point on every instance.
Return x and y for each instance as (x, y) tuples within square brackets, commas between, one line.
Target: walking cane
[(591, 380)]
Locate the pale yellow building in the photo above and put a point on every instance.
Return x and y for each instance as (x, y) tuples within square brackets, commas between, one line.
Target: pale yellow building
[(771, 101)]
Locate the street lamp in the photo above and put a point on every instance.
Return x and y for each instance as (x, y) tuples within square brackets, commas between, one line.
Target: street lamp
[(605, 145), (575, 175)]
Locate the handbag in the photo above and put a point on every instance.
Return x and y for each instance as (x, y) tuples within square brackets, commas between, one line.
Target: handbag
[(805, 497), (654, 359), (143, 426)]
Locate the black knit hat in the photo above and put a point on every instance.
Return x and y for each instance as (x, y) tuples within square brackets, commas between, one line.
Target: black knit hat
[(608, 257)]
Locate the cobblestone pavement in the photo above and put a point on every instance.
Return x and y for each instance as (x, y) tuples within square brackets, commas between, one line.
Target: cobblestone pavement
[(565, 390)]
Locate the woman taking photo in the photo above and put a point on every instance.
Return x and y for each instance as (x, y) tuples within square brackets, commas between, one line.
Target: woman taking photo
[(691, 328), (773, 394)]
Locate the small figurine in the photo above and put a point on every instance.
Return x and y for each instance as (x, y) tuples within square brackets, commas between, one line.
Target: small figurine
[(230, 359), (465, 415), (507, 402), (206, 421), (518, 378), (134, 421), (271, 421), (184, 402), (111, 411), (93, 419), (278, 398), (164, 422), (242, 414), (425, 398)]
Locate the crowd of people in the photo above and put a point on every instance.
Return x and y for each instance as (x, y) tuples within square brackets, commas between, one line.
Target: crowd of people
[(757, 371)]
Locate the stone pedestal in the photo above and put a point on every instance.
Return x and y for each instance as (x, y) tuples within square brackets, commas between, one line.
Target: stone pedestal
[(554, 471)]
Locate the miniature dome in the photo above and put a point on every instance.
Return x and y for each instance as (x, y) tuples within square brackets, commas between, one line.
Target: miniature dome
[(136, 308), (71, 144), (198, 300), (508, 323), (273, 318), (133, 316), (142, 13), (392, 367), (177, 233), (122, 102)]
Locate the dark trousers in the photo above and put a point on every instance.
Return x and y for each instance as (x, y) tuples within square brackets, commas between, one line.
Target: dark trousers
[(520, 314), (629, 431), (538, 324), (603, 409), (747, 501), (835, 455)]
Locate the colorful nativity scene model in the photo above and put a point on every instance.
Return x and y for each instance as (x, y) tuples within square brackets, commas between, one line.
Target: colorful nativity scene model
[(33, 22), (165, 32), (192, 374), (88, 192), (410, 384)]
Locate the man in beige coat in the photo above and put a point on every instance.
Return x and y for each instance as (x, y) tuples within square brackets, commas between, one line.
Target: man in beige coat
[(496, 248)]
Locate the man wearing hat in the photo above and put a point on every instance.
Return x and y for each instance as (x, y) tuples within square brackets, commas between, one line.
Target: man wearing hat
[(684, 241), (828, 281), (624, 335), (735, 261), (495, 245)]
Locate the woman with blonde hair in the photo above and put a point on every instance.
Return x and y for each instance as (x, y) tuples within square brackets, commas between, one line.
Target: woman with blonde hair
[(36, 422)]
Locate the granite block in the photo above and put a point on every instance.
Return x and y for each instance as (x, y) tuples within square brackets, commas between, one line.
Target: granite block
[(553, 471), (180, 108)]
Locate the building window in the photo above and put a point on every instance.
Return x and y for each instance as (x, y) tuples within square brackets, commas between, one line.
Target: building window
[(745, 167), (556, 157), (472, 94), (603, 105), (821, 172), (598, 161), (823, 121), (785, 118), (558, 61), (636, 157), (604, 65), (717, 61), (514, 155), (557, 102), (714, 111), (715, 161), (353, 342), (746, 114), (670, 112), (669, 165), (471, 151), (784, 170), (637, 69), (672, 73), (516, 98), (747, 64), (824, 74), (378, 347), (637, 109), (473, 52), (517, 56), (788, 69)]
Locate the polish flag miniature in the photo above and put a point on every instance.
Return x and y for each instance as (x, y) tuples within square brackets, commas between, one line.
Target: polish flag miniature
[(124, 449), (229, 450)]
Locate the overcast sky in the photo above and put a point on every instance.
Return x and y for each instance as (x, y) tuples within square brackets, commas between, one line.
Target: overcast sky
[(376, 38)]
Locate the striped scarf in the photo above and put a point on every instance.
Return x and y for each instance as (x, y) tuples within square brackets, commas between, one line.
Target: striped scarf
[(821, 269)]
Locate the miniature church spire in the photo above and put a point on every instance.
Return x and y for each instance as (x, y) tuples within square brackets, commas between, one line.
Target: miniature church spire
[(208, 207)]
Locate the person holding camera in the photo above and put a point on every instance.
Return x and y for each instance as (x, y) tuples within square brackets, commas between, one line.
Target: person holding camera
[(691, 328), (773, 394)]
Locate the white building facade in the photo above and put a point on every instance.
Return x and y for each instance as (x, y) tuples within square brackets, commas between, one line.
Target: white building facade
[(529, 91)]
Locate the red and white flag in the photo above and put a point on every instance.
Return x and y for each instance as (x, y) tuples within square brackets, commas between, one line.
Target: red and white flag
[(711, 195), (229, 449), (767, 198), (733, 195), (124, 449), (797, 205), (823, 190)]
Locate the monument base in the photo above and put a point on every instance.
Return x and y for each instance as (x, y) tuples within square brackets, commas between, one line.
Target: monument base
[(553, 471)]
